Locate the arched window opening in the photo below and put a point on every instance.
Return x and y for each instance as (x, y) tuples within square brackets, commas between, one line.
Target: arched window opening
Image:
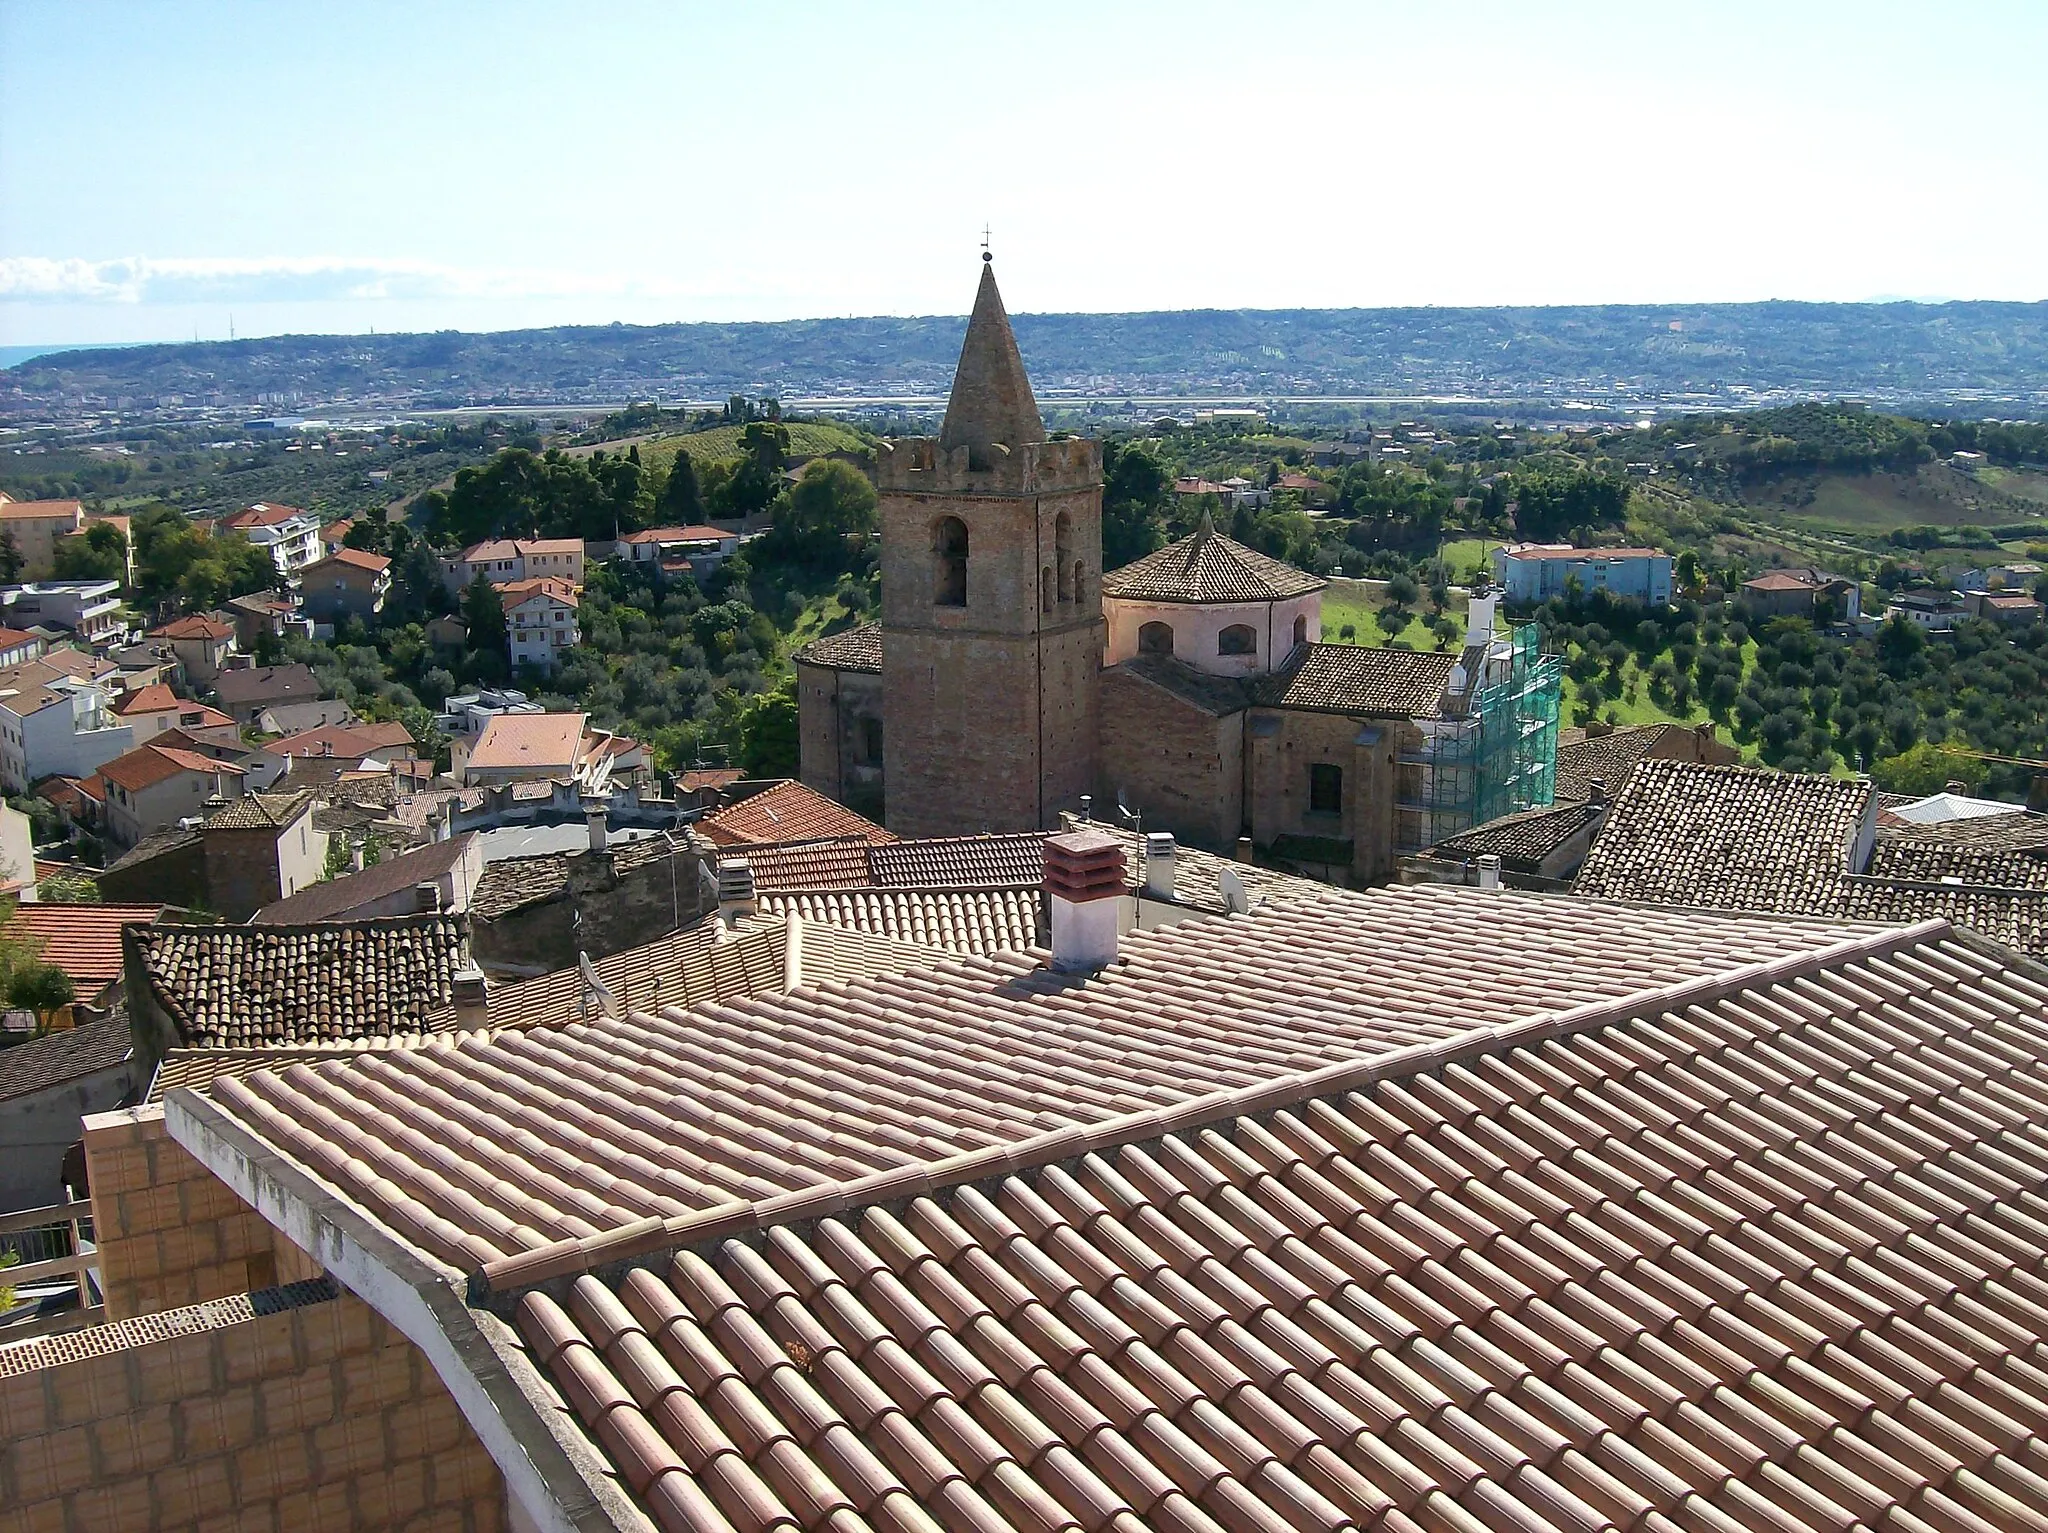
[(1079, 594), (871, 740), (1237, 639), (1301, 629), (949, 562), (1063, 556), (1045, 590), (1155, 639)]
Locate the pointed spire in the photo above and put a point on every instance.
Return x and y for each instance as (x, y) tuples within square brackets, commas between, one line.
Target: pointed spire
[(992, 399)]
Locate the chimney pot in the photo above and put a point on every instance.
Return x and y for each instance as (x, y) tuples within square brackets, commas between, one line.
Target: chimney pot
[(736, 890), (426, 898), (355, 858), (1160, 862), (595, 818), (1596, 791), (1084, 885), (1087, 807), (1489, 870), (472, 999), (1960, 789), (1244, 848)]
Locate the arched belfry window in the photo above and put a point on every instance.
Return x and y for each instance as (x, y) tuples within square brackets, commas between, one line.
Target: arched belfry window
[(1237, 639), (949, 562), (1079, 594), (1155, 639), (1063, 556)]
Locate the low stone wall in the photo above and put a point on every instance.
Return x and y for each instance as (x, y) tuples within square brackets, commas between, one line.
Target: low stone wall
[(290, 1409)]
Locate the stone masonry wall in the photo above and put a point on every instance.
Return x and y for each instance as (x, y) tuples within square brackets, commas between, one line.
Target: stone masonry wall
[(1180, 766), (287, 1411), (170, 1232)]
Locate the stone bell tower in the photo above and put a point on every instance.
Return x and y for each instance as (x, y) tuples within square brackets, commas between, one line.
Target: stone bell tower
[(992, 631)]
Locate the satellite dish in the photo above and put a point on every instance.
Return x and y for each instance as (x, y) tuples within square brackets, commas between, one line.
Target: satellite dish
[(1235, 900), (1124, 811), (707, 884), (597, 995)]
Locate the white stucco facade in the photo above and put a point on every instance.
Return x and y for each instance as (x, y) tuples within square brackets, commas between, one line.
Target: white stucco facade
[(1198, 630)]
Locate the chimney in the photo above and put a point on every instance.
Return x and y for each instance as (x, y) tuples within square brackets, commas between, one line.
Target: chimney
[(1959, 789), (1244, 848), (1160, 863), (736, 890), (472, 999), (1489, 870), (1596, 791), (1084, 885), (426, 899), (594, 817), (1087, 807), (355, 857)]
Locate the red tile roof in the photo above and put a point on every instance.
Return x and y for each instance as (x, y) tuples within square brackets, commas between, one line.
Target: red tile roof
[(361, 558), (82, 940), (352, 740), (1758, 1256), (37, 510), (694, 534), (197, 626), (14, 638), (976, 921), (261, 514), (148, 765), (1208, 567), (514, 592), (535, 741), (708, 777), (789, 811)]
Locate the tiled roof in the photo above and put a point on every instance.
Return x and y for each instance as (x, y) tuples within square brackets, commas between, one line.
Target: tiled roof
[(697, 778), (976, 921), (842, 864), (1606, 759), (37, 510), (961, 862), (1765, 1262), (516, 593), (1523, 839), (337, 896), (1197, 875), (56, 1058), (2016, 917), (148, 765), (155, 698), (789, 811), (857, 649), (1726, 837), (241, 986), (262, 514), (1219, 695), (263, 811), (568, 1132), (195, 1069), (512, 883), (353, 741), (2003, 832), (266, 684), (361, 558), (82, 940), (1356, 678), (1567, 551), (538, 741), (151, 847), (1930, 861), (1206, 566)]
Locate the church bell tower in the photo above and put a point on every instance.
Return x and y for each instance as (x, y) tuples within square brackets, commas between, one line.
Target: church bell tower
[(992, 631)]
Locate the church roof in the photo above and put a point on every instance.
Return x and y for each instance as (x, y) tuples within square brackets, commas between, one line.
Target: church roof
[(1206, 566), (1357, 678), (992, 399), (853, 649)]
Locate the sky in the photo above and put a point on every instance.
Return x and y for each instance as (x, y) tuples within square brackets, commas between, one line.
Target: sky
[(171, 168)]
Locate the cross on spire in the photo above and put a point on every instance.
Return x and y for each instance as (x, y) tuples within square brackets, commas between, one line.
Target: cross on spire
[(984, 244)]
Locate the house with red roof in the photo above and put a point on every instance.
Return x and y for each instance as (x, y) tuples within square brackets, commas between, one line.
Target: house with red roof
[(152, 709), (349, 582), (201, 642), (153, 787), (540, 621), (289, 534)]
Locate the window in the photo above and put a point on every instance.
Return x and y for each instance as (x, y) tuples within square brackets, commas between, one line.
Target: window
[(1325, 789), (871, 741), (1155, 639), (1237, 639), (1079, 594), (1301, 629), (949, 562), (1063, 555), (1045, 590)]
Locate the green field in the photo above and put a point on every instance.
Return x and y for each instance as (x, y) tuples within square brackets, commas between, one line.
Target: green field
[(807, 439)]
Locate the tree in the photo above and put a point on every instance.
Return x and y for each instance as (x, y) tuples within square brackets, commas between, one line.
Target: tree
[(98, 553), (69, 889), (828, 518), (1136, 490), (483, 613), (11, 560), (1927, 768), (1688, 571), (42, 988), (764, 732), (681, 504)]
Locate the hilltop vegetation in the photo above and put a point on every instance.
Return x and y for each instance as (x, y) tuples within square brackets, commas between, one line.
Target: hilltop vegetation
[(1889, 351)]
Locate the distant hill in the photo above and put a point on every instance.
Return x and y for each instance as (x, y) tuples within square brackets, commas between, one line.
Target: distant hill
[(1887, 352)]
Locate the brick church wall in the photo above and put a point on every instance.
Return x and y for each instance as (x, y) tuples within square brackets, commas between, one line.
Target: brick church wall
[(833, 707), (1179, 766)]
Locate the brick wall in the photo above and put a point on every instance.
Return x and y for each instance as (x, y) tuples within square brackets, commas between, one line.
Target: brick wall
[(293, 1410), (1179, 766), (1363, 749), (170, 1232), (832, 710)]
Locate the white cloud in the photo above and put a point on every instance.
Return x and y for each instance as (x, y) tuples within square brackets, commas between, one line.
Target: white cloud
[(155, 280)]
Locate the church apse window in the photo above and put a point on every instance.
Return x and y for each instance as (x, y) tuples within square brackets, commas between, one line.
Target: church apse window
[(1237, 639), (1063, 559), (1155, 639), (1301, 629), (1325, 788), (949, 562), (871, 740)]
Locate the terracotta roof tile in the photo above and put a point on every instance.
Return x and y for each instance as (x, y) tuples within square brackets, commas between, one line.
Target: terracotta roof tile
[(1727, 1257), (337, 896), (538, 741), (155, 698), (82, 940), (266, 684), (1356, 678), (975, 921), (57, 1058), (238, 986), (1218, 695), (788, 811), (856, 649), (263, 811), (1606, 759), (1521, 840), (148, 765), (1208, 567)]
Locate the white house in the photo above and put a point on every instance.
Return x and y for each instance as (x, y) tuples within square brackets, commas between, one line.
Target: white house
[(540, 621), (505, 561), (52, 723), (88, 609), (291, 536), (702, 548)]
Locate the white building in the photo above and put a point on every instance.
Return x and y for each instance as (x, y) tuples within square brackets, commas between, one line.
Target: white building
[(88, 609), (463, 717), (540, 621), (291, 536), (52, 723), (506, 561)]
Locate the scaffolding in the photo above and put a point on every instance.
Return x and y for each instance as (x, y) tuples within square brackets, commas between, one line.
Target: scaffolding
[(1493, 751)]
